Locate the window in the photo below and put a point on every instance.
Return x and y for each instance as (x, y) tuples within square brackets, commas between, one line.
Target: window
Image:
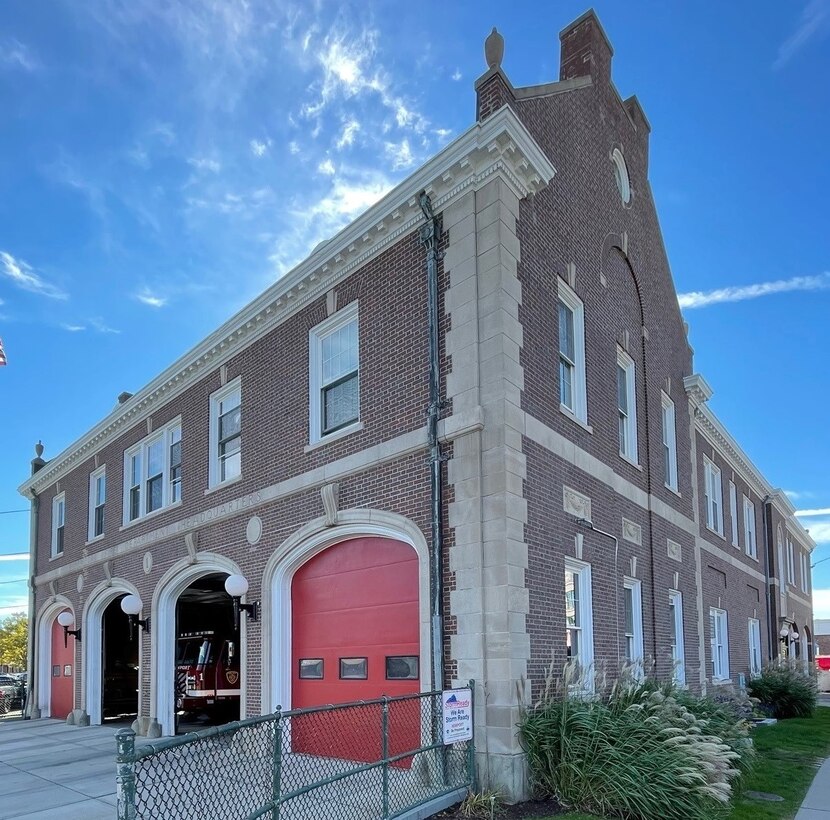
[(579, 638), (58, 521), (402, 667), (632, 602), (754, 647), (790, 563), (678, 652), (151, 481), (354, 668), (714, 497), (627, 406), (97, 497), (733, 512), (225, 434), (572, 392), (334, 361), (749, 529), (311, 669), (669, 443), (805, 571), (719, 637), (621, 176)]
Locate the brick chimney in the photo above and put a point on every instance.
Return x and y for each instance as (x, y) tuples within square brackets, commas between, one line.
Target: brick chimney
[(585, 50)]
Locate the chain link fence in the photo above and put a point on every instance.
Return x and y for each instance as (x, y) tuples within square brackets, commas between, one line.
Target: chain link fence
[(364, 760)]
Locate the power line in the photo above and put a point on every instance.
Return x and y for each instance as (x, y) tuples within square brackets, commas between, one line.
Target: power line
[(9, 512), (14, 581)]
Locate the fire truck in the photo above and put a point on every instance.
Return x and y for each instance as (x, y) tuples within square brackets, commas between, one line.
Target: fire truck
[(207, 675)]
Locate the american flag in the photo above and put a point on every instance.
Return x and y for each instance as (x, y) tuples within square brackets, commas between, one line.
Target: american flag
[(2, 354)]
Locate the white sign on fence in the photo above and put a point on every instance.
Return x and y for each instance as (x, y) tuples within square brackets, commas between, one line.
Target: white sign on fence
[(458, 715)]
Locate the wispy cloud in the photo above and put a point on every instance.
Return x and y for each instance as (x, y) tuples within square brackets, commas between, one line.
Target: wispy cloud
[(819, 530), (798, 495), (24, 276), (814, 21), (456, 75), (149, 298), (73, 328), (205, 164), (347, 135), (15, 54), (326, 167), (259, 148), (699, 299), (96, 324), (400, 154), (15, 556), (809, 513)]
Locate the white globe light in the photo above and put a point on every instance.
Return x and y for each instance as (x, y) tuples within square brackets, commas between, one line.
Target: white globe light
[(131, 604), (236, 585), (66, 618)]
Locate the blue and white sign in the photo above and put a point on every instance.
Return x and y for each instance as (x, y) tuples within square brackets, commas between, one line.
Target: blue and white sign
[(457, 715)]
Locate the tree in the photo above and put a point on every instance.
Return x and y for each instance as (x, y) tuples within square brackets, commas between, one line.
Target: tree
[(14, 633)]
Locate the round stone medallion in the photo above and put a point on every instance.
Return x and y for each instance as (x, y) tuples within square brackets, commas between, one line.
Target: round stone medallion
[(253, 532), (148, 563), (80, 583)]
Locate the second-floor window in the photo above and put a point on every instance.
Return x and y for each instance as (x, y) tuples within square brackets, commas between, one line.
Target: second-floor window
[(572, 391), (713, 493), (733, 512), (805, 569), (149, 483), (749, 528), (627, 406), (97, 497), (790, 563), (226, 434), (669, 443), (58, 521)]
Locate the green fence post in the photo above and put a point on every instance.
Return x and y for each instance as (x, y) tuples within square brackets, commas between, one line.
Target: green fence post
[(471, 744), (276, 769), (384, 730), (125, 774)]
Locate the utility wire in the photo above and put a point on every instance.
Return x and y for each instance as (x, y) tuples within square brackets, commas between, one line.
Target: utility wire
[(9, 512), (15, 581)]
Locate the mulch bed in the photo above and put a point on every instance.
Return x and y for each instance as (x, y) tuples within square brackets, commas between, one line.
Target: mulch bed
[(530, 808)]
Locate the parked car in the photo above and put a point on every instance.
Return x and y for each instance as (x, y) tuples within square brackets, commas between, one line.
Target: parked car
[(12, 692)]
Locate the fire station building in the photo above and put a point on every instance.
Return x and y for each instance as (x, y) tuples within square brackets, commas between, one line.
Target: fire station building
[(464, 439)]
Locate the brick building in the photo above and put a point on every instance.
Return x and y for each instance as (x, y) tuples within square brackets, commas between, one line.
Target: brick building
[(463, 439)]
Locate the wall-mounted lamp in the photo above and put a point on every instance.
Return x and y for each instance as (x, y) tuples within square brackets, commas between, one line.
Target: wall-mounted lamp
[(66, 619), (236, 586), (131, 605)]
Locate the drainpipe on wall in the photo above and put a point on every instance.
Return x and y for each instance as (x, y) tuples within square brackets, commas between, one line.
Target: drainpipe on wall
[(769, 549), (429, 234), (31, 709)]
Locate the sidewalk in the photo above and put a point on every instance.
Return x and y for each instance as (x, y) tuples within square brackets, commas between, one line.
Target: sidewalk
[(816, 805)]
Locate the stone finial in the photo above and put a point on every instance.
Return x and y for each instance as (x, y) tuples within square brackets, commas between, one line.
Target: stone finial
[(494, 49), (39, 448)]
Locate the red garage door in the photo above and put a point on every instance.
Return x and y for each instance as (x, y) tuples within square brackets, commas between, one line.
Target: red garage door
[(355, 636), (62, 673)]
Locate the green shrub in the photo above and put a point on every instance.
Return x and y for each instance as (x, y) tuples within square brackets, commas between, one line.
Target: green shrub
[(637, 752), (784, 690)]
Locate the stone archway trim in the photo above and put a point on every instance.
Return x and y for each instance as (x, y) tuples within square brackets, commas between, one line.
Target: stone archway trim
[(43, 653)]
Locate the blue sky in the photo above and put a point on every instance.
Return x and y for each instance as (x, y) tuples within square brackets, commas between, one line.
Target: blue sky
[(162, 162)]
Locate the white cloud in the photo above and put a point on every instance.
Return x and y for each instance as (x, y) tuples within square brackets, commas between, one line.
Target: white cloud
[(23, 275), (147, 297), (819, 530), (293, 147), (99, 325), (813, 21), (326, 167), (400, 154), (73, 328), (698, 299), (346, 138), (205, 164), (456, 75), (797, 495), (15, 54), (258, 148), (821, 603), (15, 556), (808, 513)]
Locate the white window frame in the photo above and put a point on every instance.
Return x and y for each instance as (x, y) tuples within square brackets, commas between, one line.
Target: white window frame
[(58, 514), (585, 656), (804, 567), (733, 512), (216, 398), (627, 424), (754, 637), (621, 177), (316, 335), (579, 391), (679, 648), (790, 563), (751, 545), (636, 636), (94, 477), (719, 626), (163, 435), (669, 440), (714, 496)]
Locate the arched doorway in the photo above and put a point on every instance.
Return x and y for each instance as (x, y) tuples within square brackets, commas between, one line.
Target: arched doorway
[(62, 675), (119, 665), (207, 656)]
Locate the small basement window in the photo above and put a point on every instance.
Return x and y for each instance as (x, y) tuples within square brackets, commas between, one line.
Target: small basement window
[(621, 176), (402, 667)]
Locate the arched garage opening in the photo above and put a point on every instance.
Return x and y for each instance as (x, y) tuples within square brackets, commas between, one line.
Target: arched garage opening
[(54, 662)]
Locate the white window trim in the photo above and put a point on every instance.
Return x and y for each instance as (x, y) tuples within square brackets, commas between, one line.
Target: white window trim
[(216, 398), (670, 439), (790, 563), (59, 499), (754, 638), (624, 186), (805, 586), (93, 480), (733, 512), (162, 433), (713, 487), (679, 661), (749, 529), (636, 587), (586, 616), (721, 674), (315, 377), (627, 363), (580, 390)]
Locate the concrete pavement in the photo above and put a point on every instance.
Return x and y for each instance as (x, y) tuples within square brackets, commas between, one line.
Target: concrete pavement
[(51, 770), (816, 805)]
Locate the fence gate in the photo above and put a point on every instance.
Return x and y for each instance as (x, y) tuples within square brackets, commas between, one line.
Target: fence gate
[(365, 760)]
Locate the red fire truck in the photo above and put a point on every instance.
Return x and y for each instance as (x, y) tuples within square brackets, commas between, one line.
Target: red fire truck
[(207, 675)]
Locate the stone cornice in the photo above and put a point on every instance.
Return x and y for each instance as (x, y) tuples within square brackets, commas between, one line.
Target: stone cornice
[(697, 389), (500, 146)]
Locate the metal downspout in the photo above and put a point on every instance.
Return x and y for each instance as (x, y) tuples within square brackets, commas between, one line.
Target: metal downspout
[(31, 698), (769, 549), (429, 235)]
